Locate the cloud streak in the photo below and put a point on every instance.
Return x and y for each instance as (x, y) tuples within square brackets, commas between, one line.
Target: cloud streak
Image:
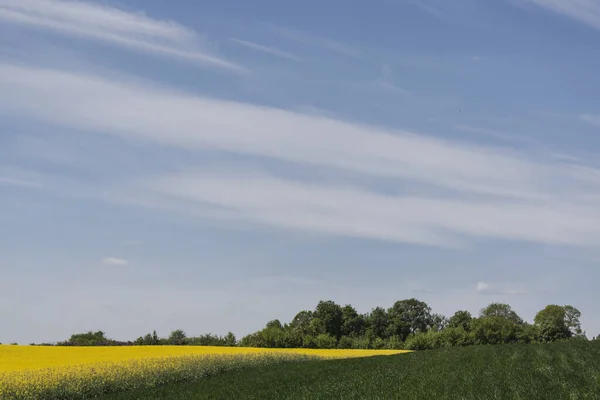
[(114, 262), (109, 24), (319, 41), (465, 191), (591, 119), (266, 49), (586, 11)]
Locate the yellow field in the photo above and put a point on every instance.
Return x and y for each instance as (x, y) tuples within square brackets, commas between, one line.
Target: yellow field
[(35, 372)]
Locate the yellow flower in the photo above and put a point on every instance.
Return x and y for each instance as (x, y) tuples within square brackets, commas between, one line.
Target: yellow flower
[(42, 372)]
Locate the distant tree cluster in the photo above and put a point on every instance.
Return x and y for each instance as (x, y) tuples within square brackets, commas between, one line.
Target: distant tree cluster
[(176, 338), (410, 324)]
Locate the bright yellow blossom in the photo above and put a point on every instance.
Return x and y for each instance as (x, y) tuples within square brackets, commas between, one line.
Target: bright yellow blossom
[(34, 372)]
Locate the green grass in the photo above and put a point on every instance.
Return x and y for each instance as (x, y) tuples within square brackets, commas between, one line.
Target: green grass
[(569, 370)]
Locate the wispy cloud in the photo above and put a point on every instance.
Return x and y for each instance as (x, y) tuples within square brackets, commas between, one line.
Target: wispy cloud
[(114, 262), (499, 289), (386, 81), (318, 41), (112, 25), (591, 119), (11, 176), (17, 182), (427, 6), (266, 49), (467, 191), (586, 11)]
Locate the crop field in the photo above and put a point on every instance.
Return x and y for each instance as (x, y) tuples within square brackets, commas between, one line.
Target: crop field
[(557, 371), (34, 372)]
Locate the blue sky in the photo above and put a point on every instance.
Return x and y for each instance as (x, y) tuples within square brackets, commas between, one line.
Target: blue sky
[(211, 166)]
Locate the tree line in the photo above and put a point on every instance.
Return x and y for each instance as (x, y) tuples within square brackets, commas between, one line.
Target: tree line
[(176, 338), (408, 324)]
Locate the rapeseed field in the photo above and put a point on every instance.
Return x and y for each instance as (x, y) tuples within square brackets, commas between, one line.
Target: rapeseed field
[(42, 372)]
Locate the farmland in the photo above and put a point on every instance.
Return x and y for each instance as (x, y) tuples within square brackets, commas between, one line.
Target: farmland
[(40, 372), (565, 370)]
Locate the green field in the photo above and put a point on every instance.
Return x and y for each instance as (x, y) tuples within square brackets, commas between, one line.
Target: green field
[(567, 370)]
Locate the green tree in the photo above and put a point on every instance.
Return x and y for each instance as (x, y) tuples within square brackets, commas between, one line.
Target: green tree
[(353, 324), (229, 339), (460, 319), (274, 324), (437, 322), (572, 316), (377, 323), (89, 338), (493, 329), (330, 314), (301, 321), (500, 310), (558, 322), (177, 337), (408, 317)]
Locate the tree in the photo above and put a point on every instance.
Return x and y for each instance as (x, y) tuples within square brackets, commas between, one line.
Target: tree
[(408, 317), (572, 316), (177, 337), (377, 322), (229, 339), (353, 323), (437, 322), (330, 314), (301, 321), (316, 326), (558, 322), (500, 310), (89, 338), (460, 319), (493, 329), (274, 324)]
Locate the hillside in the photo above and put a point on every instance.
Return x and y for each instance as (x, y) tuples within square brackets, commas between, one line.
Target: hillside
[(565, 370)]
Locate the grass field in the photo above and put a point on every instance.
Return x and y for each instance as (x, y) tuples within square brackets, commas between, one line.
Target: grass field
[(34, 372), (568, 370)]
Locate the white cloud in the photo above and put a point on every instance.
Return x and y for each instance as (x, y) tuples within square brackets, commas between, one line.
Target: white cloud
[(109, 24), (482, 286), (586, 11), (501, 289), (267, 49), (467, 191), (113, 261)]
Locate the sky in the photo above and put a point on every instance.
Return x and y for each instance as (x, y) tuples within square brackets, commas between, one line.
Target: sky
[(210, 166)]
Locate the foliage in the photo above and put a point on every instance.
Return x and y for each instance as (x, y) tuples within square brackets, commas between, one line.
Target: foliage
[(407, 324), (90, 338), (460, 319), (501, 310)]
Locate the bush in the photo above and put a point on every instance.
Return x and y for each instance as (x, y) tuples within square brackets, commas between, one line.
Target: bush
[(325, 341), (424, 341), (345, 343), (395, 343)]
